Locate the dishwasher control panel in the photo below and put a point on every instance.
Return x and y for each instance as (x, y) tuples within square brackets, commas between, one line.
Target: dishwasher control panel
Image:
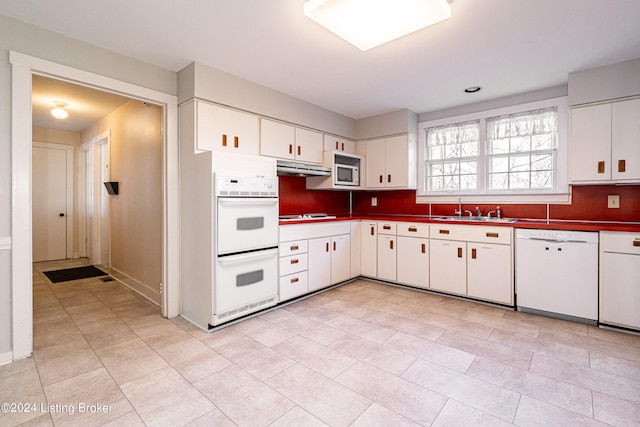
[(558, 235)]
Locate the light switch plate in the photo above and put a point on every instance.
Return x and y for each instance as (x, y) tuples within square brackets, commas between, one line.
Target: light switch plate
[(374, 201), (614, 201)]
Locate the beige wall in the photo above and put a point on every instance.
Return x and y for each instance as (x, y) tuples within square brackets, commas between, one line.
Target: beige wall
[(136, 212)]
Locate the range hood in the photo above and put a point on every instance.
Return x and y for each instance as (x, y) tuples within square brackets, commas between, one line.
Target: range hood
[(287, 167)]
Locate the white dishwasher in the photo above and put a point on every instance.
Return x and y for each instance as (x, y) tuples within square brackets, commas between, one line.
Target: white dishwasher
[(556, 273)]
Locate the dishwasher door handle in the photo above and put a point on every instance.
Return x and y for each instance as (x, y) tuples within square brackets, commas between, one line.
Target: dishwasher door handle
[(553, 240)]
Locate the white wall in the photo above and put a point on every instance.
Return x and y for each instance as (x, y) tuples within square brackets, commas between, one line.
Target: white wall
[(30, 40)]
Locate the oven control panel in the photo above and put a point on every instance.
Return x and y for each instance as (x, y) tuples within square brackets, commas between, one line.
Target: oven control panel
[(246, 186)]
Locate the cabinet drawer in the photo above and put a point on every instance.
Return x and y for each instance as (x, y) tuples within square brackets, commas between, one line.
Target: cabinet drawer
[(293, 247), (293, 264), (620, 242), (412, 229), (293, 285), (447, 232), (499, 235), (387, 227)]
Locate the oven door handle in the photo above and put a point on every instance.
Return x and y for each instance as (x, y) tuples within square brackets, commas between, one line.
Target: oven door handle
[(228, 259), (267, 201)]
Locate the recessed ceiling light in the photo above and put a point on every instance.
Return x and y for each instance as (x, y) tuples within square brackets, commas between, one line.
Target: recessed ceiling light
[(370, 23), (472, 89)]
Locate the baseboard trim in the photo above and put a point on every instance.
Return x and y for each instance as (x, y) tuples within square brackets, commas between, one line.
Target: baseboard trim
[(6, 358), (136, 286)]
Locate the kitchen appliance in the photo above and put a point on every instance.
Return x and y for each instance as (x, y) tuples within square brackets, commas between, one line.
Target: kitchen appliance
[(286, 167), (556, 273), (246, 242), (346, 174)]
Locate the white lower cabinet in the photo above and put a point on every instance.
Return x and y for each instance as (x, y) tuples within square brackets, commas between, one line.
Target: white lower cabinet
[(473, 261), (327, 249), (369, 248), (413, 254), (387, 251), (620, 279), (448, 262), (488, 277)]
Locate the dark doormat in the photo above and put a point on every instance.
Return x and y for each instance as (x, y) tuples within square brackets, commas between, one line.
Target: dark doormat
[(74, 273)]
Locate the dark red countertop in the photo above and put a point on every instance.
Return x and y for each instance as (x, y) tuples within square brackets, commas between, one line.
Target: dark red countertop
[(521, 223)]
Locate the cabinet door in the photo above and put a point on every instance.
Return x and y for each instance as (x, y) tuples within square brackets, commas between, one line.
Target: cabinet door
[(625, 140), (368, 249), (308, 146), (293, 285), (387, 247), (620, 290), (489, 274), (375, 163), (277, 139), (448, 266), (397, 156), (319, 265), (413, 261), (222, 129), (334, 143), (340, 258), (590, 148)]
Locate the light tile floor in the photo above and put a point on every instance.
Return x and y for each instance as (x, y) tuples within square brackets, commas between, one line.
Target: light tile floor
[(364, 354)]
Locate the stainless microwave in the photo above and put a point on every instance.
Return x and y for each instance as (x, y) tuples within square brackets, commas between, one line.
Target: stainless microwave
[(346, 175)]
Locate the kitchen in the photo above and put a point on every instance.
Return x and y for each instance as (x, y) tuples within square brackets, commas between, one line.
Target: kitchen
[(388, 201)]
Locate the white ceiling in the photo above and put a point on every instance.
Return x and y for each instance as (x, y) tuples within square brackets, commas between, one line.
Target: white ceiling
[(505, 46)]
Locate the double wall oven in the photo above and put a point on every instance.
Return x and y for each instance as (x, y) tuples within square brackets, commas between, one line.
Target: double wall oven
[(246, 246)]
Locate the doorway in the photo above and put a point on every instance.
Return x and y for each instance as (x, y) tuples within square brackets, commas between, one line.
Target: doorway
[(23, 67)]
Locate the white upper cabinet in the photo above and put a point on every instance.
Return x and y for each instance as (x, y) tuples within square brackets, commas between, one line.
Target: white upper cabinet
[(284, 141), (216, 128), (391, 162), (334, 143), (605, 142)]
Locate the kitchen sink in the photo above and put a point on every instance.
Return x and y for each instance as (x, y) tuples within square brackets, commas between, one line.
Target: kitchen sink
[(475, 219)]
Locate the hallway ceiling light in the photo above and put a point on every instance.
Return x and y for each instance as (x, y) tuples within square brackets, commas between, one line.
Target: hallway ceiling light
[(370, 23), (59, 112)]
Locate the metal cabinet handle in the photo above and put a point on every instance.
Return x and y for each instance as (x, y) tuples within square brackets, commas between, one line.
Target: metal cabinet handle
[(380, 179), (343, 146), (372, 230), (636, 242), (443, 231), (459, 252), (294, 280), (326, 249), (386, 227), (473, 253), (295, 261), (290, 148), (389, 178), (491, 234), (224, 140), (294, 248), (236, 142), (334, 246), (390, 244), (424, 248), (299, 150), (336, 145), (413, 229)]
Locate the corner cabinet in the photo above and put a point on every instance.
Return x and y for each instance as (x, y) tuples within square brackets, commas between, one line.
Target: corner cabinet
[(605, 143), (216, 128), (285, 141), (391, 162)]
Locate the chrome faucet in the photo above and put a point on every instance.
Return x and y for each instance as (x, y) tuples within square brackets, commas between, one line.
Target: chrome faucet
[(498, 215), (478, 212), (470, 213)]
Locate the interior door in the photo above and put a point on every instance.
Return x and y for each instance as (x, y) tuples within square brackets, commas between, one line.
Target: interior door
[(49, 204)]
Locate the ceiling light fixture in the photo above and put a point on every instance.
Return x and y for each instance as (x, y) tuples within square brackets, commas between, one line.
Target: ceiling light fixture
[(472, 89), (370, 23), (59, 112)]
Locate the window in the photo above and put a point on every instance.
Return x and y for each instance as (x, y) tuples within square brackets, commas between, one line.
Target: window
[(453, 157), (521, 150), (512, 151)]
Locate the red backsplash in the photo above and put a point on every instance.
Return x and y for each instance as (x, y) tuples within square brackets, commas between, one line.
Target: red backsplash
[(588, 203), (296, 199)]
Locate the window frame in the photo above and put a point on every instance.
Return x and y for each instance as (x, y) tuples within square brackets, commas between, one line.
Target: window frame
[(558, 194)]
